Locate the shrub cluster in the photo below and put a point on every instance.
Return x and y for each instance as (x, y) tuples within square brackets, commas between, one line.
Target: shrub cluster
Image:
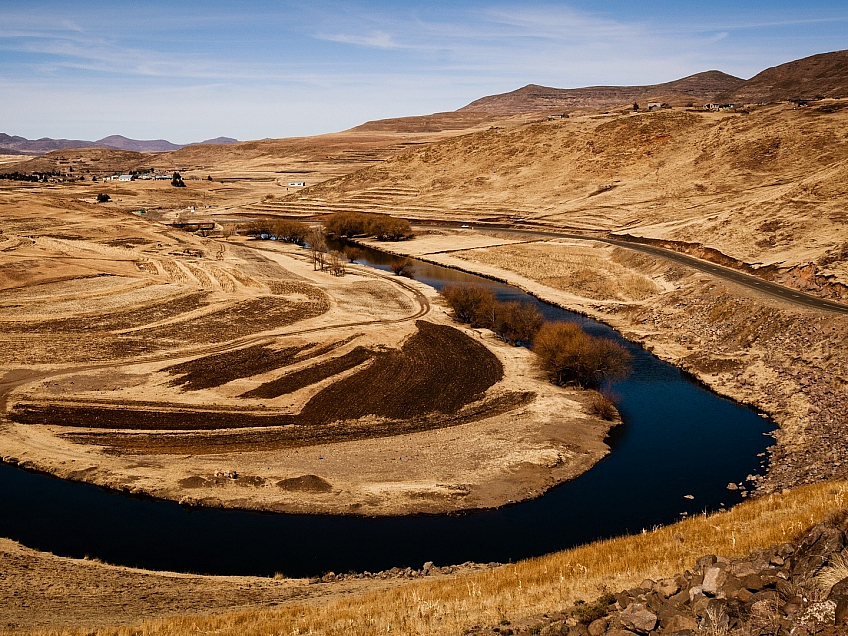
[(571, 356), (568, 354), (381, 226), (280, 229), (513, 321)]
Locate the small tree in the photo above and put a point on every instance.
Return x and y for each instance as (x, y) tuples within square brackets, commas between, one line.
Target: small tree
[(336, 263), (402, 267), (351, 253), (103, 198), (177, 181), (317, 248)]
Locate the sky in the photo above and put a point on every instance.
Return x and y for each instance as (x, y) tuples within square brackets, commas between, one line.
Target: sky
[(190, 70)]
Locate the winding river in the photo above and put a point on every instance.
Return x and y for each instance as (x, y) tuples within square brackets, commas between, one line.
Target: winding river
[(679, 447)]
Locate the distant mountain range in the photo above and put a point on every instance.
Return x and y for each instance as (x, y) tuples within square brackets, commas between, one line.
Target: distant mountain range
[(823, 75), (14, 145)]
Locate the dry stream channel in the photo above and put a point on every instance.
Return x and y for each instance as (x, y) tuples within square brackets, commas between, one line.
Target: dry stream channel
[(676, 451)]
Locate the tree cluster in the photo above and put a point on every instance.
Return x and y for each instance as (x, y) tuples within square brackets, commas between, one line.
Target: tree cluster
[(514, 322), (177, 181), (381, 226), (564, 350), (281, 229), (323, 257)]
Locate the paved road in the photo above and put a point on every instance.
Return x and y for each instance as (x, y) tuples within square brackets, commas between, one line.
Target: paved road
[(747, 280)]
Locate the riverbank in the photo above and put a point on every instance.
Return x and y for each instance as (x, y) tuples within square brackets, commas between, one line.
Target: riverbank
[(783, 360)]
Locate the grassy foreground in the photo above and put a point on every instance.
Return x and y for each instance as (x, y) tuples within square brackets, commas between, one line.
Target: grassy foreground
[(535, 586)]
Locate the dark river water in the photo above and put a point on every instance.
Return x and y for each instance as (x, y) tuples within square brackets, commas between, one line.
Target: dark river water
[(678, 439)]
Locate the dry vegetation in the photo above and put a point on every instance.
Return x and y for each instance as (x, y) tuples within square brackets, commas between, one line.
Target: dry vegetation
[(533, 587), (573, 266)]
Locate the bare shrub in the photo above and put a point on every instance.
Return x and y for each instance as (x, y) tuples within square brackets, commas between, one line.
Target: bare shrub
[(336, 263), (381, 226), (388, 228), (352, 254), (472, 304), (602, 406), (571, 356), (402, 267), (516, 322), (346, 224), (290, 231)]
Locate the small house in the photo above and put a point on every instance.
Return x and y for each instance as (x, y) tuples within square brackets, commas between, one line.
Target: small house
[(126, 177), (297, 184)]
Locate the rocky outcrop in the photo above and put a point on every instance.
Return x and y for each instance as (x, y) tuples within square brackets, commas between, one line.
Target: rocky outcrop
[(798, 588)]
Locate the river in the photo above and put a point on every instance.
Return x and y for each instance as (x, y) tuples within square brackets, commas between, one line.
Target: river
[(676, 451)]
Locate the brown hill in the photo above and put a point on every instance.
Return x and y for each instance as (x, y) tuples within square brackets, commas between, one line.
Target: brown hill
[(823, 75), (767, 187), (437, 122), (532, 98)]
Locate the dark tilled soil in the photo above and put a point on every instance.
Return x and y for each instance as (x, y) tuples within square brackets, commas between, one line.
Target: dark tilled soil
[(433, 381), (311, 375), (199, 442), (218, 369), (439, 369), (244, 318)]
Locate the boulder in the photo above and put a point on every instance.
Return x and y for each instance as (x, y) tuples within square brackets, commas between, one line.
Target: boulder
[(667, 587), (638, 618), (815, 548), (838, 590), (841, 612), (679, 623), (714, 578), (598, 627)]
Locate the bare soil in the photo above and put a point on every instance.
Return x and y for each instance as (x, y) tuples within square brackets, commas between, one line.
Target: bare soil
[(151, 360)]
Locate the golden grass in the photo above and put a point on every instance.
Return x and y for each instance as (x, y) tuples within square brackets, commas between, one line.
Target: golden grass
[(578, 269), (535, 586)]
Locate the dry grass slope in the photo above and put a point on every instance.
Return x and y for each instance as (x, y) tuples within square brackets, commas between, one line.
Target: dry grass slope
[(536, 586)]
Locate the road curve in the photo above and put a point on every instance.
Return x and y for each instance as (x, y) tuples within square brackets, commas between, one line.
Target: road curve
[(786, 294)]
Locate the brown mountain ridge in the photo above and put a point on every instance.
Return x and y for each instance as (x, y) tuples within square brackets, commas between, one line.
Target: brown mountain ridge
[(815, 77), (696, 88)]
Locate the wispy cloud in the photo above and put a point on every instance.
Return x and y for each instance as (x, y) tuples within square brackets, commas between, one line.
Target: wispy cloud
[(376, 39), (277, 68)]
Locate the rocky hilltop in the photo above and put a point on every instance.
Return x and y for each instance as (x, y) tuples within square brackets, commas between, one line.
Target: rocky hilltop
[(814, 77)]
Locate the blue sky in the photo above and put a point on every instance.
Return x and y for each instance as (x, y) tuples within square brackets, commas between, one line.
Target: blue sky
[(190, 70)]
